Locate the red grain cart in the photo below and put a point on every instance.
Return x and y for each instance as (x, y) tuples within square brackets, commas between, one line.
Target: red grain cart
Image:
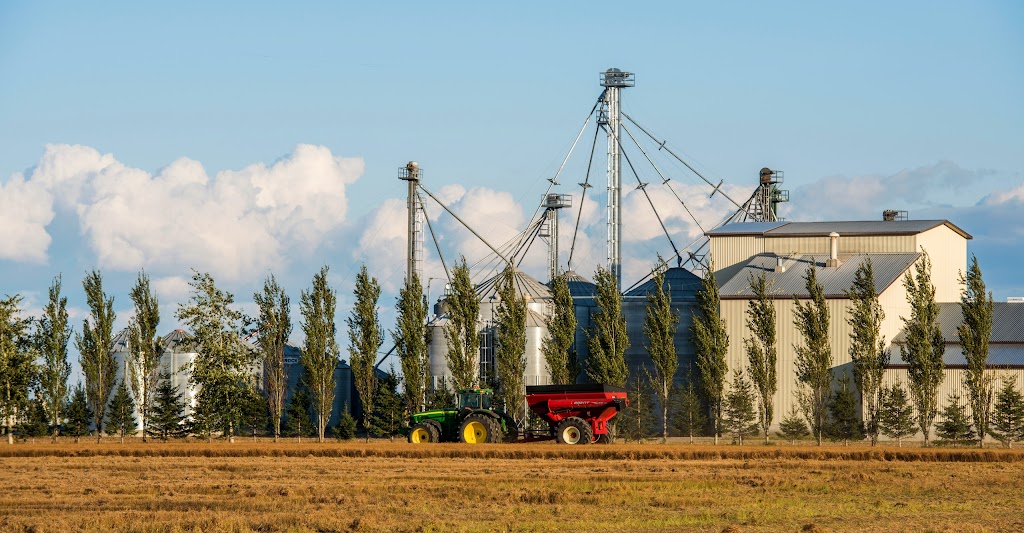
[(576, 414)]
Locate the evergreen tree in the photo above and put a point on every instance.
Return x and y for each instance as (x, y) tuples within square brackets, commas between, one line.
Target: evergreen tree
[(33, 423), (607, 338), (896, 415), (557, 347), (711, 343), (275, 326), (298, 421), (867, 344), (255, 414), (762, 352), (460, 333), (222, 371), (364, 339), (167, 415), (845, 424), (145, 347), (814, 357), (205, 416), (17, 370), (687, 416), (346, 428), (793, 426), (1008, 414), (78, 414), (386, 418), (52, 335), (411, 339), (954, 425), (636, 419), (510, 353), (320, 353), (660, 330), (738, 412), (441, 397), (924, 346), (975, 331), (121, 413), (95, 346)]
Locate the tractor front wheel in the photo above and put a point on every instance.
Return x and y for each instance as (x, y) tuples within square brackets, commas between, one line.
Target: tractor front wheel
[(424, 432), (479, 429), (574, 430)]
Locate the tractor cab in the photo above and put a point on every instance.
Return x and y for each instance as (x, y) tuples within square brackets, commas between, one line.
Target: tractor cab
[(475, 399)]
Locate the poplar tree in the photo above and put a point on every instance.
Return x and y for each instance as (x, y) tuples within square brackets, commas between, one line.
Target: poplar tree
[(78, 414), (274, 327), (607, 338), (867, 344), (510, 353), (320, 352), (896, 415), (222, 370), (1008, 413), (660, 330), (711, 343), (17, 370), (975, 332), (95, 346), (411, 338), (144, 364), (365, 337), (925, 346), (814, 356), (953, 424), (52, 336), (121, 413), (167, 416), (738, 414), (762, 350), (460, 333), (557, 346)]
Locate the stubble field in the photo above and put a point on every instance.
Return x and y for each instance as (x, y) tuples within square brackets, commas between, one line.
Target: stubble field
[(517, 487)]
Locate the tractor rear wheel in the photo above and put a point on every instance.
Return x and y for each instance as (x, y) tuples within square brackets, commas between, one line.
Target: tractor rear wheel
[(479, 429), (512, 433), (574, 430), (423, 432)]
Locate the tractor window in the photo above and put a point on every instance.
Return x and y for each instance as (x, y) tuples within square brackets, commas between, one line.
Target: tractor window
[(474, 400)]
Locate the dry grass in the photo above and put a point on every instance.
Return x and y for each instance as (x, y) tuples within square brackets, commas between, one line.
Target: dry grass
[(533, 487)]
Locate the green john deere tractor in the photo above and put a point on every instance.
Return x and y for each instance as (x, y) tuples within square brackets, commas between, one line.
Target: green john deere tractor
[(474, 421)]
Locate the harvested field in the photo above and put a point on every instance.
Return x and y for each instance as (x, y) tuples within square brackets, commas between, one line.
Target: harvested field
[(532, 487)]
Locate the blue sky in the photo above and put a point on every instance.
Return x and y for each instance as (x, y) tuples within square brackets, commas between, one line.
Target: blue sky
[(282, 126)]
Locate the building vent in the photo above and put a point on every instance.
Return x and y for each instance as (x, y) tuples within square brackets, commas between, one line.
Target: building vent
[(1015, 299), (890, 215), (833, 252), (779, 266)]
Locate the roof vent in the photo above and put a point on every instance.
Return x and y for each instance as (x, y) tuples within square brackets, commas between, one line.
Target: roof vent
[(779, 266), (1015, 299), (890, 215), (833, 255)]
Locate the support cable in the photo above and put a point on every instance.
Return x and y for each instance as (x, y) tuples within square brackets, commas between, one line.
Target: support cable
[(471, 230), (664, 179), (585, 185), (433, 236)]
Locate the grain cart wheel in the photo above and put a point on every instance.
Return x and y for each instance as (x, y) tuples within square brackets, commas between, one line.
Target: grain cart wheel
[(574, 430), (422, 433), (479, 429)]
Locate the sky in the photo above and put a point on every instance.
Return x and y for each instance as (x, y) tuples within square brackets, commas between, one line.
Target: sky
[(249, 138)]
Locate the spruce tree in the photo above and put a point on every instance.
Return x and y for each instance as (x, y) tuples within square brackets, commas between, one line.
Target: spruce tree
[(78, 414), (925, 346), (17, 370), (510, 353), (320, 352), (660, 330), (33, 421), (636, 419), (222, 371), (975, 331), (144, 363), (793, 426), (95, 346), (298, 422), (460, 333), (52, 335), (441, 396), (255, 414), (845, 425), (167, 416), (386, 418), (814, 357), (896, 417), (121, 413), (738, 411), (411, 339), (364, 339), (762, 351), (711, 343), (557, 347), (687, 415), (346, 428), (954, 425), (274, 326), (1008, 413), (867, 344), (607, 338)]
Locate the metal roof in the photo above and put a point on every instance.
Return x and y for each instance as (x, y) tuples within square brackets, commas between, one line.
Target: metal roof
[(120, 341), (834, 280), (999, 355), (822, 229), (177, 341), (535, 319), (1007, 323), (579, 286), (682, 285), (525, 286)]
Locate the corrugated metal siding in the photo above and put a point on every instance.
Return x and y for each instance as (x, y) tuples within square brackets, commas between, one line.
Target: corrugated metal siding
[(948, 253), (1007, 322), (728, 251)]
